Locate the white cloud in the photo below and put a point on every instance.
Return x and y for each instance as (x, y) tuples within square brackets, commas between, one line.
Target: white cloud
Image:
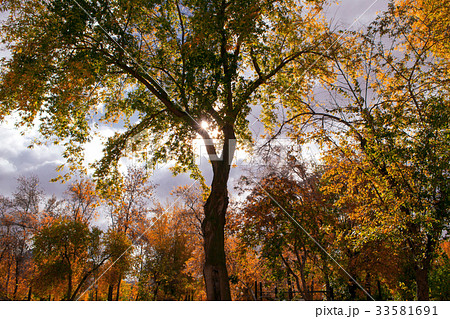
[(6, 167), (16, 158), (94, 149)]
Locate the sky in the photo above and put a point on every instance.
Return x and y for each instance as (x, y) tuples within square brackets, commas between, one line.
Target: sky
[(17, 159)]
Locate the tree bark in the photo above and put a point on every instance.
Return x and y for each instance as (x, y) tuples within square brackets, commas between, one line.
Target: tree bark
[(110, 292), (118, 287), (213, 226), (155, 292), (7, 280), (422, 267), (380, 295), (422, 287), (215, 270), (352, 289), (368, 286), (69, 286)]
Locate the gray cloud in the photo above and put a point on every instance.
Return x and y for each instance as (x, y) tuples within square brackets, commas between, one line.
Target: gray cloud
[(17, 159), (354, 14)]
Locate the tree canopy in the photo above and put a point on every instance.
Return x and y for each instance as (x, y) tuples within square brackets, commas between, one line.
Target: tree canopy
[(162, 67)]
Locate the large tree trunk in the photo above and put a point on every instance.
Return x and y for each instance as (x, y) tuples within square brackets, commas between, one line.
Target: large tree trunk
[(423, 266), (213, 226), (422, 287), (215, 270)]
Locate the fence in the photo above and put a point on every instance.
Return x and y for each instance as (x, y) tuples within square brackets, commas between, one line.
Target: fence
[(288, 293)]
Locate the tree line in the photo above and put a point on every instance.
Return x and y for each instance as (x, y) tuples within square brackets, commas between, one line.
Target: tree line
[(286, 231), (93, 246)]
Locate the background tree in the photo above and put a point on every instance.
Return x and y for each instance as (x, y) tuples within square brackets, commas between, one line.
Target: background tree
[(440, 274), (428, 19), (128, 203), (20, 217), (67, 247), (118, 247), (387, 114), (167, 250), (190, 202), (290, 189), (82, 200), (64, 254)]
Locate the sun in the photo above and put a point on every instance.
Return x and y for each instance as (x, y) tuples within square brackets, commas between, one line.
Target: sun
[(204, 125)]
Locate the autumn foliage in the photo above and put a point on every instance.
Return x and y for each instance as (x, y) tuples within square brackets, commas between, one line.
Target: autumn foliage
[(365, 217)]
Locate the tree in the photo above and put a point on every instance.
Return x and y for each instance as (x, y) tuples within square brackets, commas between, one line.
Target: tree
[(242, 263), (118, 247), (20, 217), (387, 114), (128, 202), (440, 275), (189, 210), (364, 233), (280, 200), (428, 19), (172, 64), (82, 200), (66, 251), (167, 251)]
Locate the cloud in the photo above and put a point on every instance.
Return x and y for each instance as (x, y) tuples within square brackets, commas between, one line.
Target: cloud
[(354, 14), (94, 149), (17, 159), (6, 167)]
